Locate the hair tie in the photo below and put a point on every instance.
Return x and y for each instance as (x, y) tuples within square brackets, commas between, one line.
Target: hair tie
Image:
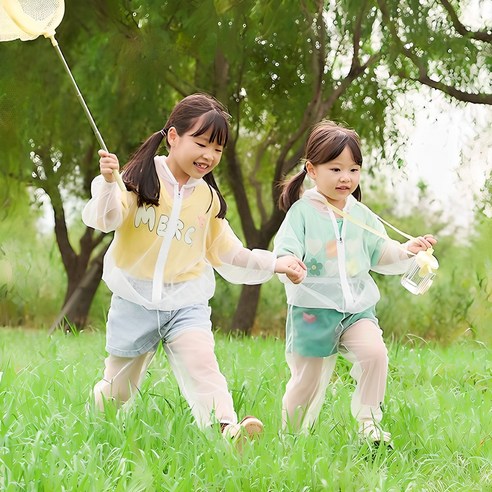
[(163, 132)]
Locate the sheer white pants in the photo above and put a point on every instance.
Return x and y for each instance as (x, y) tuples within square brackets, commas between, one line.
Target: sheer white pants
[(363, 345), (192, 358)]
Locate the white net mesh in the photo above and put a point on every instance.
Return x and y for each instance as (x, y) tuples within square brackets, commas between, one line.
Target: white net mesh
[(28, 19)]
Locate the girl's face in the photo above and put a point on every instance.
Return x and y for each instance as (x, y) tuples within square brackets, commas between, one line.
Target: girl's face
[(336, 179), (191, 156)]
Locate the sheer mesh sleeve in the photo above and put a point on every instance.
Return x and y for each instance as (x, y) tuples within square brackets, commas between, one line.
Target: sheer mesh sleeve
[(393, 260), (108, 206), (234, 262), (388, 257), (289, 239)]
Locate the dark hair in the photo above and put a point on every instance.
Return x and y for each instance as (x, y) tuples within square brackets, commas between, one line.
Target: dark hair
[(140, 175), (325, 143)]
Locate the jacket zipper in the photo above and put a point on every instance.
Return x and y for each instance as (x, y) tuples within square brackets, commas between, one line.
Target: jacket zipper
[(161, 261), (347, 294)]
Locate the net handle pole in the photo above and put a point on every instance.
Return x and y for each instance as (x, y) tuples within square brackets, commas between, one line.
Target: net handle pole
[(96, 131)]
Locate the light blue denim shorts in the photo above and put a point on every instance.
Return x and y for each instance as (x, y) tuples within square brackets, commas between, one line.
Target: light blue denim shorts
[(132, 330)]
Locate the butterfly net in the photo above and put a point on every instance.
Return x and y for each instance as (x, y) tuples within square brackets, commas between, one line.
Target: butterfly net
[(28, 19)]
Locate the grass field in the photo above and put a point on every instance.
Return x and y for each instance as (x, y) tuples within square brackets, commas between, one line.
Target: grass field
[(438, 408)]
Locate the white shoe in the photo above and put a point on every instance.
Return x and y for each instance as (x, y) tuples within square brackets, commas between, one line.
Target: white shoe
[(371, 432)]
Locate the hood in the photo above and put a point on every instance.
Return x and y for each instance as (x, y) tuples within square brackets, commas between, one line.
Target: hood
[(319, 201), (165, 173)]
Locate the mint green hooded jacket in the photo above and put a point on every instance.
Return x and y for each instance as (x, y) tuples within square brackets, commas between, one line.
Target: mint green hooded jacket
[(338, 254)]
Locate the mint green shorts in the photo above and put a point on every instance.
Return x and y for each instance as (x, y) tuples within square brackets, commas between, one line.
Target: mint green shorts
[(316, 332)]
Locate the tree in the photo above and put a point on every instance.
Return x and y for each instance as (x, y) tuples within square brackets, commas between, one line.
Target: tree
[(43, 126), (278, 66)]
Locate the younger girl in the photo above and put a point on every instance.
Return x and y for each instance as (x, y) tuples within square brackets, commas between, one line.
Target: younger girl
[(169, 232), (333, 310)]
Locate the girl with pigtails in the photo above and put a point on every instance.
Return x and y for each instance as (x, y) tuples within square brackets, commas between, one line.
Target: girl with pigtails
[(170, 233), (333, 309)]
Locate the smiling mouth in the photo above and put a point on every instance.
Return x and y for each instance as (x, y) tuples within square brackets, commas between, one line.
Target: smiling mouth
[(343, 188), (201, 167)]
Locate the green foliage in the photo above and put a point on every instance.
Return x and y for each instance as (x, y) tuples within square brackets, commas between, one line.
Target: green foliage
[(437, 408), (458, 305), (423, 24), (20, 268), (278, 66), (33, 293)]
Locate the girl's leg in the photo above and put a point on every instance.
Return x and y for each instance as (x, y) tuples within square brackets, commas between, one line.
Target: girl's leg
[(122, 378), (363, 345), (305, 391), (192, 359)]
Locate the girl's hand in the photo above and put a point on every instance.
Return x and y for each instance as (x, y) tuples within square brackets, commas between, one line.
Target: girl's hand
[(421, 243), (107, 164), (294, 268)]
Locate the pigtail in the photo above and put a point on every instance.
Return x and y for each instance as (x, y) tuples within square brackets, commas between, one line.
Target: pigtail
[(140, 174), (210, 180), (357, 193), (291, 190)]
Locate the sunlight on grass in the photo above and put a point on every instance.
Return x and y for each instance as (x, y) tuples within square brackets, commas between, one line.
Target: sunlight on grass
[(51, 438)]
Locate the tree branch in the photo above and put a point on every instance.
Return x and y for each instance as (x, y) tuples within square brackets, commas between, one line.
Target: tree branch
[(67, 252), (313, 110), (356, 68), (233, 170), (317, 107), (236, 182), (424, 78), (51, 189), (357, 37), (256, 183), (485, 35), (182, 87), (477, 98), (353, 74)]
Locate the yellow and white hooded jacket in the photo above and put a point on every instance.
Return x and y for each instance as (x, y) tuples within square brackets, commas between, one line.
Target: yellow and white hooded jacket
[(162, 257)]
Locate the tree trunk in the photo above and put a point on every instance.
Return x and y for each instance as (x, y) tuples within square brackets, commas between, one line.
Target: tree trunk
[(244, 317), (83, 275), (76, 308)]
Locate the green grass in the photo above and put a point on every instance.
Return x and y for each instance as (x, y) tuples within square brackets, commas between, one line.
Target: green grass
[(438, 408)]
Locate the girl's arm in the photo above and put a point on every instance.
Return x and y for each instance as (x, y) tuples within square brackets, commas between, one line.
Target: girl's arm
[(387, 256), (241, 265), (394, 260), (289, 242), (107, 208)]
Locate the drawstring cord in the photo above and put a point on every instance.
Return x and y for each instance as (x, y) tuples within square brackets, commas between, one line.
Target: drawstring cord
[(345, 215)]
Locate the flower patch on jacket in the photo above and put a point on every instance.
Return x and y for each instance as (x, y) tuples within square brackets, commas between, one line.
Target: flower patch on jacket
[(314, 268)]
